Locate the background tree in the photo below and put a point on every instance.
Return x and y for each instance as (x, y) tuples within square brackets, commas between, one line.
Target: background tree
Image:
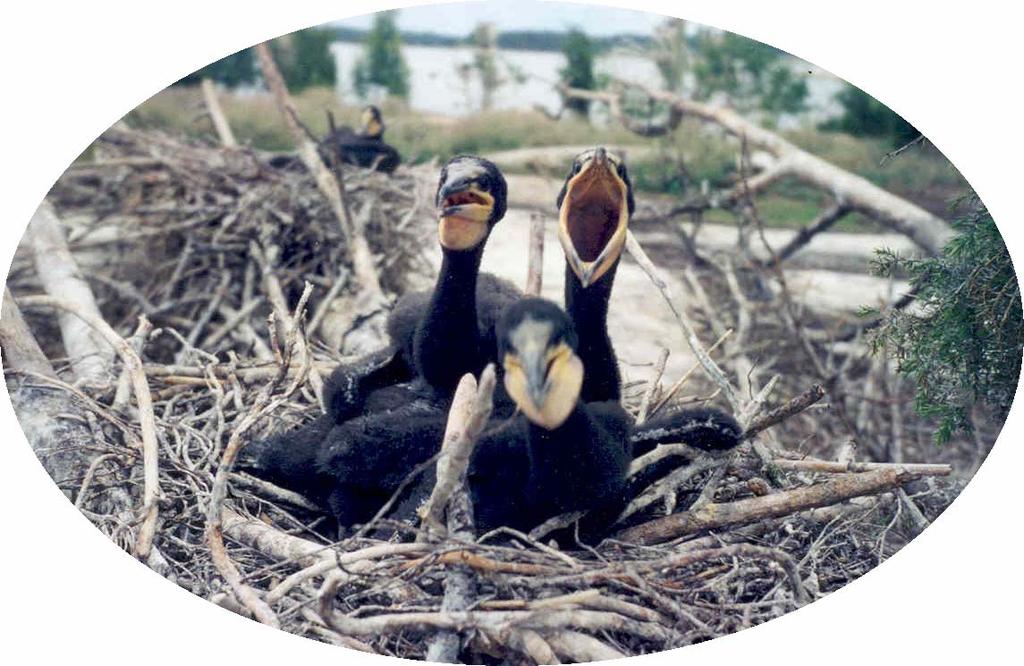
[(753, 75), (235, 70), (671, 53), (305, 59), (485, 41), (963, 343), (863, 115), (382, 63), (579, 68)]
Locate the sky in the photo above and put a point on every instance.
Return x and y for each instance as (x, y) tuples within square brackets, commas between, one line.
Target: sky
[(460, 18)]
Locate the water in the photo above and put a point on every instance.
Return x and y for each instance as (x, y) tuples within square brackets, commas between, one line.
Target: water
[(442, 80)]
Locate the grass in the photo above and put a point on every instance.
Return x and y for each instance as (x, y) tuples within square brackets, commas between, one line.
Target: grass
[(921, 174)]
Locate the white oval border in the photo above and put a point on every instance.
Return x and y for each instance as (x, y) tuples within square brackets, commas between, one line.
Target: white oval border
[(71, 69)]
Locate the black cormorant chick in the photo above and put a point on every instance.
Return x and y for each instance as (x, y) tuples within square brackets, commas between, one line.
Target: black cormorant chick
[(594, 209), (365, 148), (437, 336), (558, 454)]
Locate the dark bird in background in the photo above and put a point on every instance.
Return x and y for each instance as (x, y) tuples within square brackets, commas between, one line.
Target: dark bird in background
[(364, 147)]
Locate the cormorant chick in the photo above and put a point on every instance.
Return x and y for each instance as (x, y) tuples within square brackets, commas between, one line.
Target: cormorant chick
[(594, 208), (437, 336), (365, 148), (558, 454)]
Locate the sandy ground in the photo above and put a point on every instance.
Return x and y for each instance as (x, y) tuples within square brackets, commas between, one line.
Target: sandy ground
[(640, 322)]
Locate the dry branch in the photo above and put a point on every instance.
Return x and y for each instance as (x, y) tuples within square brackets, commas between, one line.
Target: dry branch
[(535, 259), (220, 121), (715, 516), (364, 271), (710, 367), (21, 351), (59, 273), (143, 400), (471, 407), (925, 229)]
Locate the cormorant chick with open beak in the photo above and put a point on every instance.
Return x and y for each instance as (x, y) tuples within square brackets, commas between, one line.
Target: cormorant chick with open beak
[(594, 209)]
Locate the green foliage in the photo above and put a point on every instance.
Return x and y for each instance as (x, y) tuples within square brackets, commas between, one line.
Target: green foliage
[(671, 53), (754, 75), (963, 345), (579, 68), (235, 70), (382, 63), (863, 115), (305, 59)]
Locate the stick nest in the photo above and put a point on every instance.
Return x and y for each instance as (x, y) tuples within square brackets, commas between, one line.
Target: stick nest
[(193, 236)]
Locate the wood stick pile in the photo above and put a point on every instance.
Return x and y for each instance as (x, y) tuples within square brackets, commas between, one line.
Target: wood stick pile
[(216, 277)]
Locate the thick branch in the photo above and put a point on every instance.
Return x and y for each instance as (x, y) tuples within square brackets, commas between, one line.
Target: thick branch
[(143, 399), (715, 515), (926, 230), (220, 121), (57, 270), (21, 351)]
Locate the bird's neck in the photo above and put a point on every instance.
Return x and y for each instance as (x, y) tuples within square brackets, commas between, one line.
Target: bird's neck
[(588, 310), (447, 340), (568, 440)]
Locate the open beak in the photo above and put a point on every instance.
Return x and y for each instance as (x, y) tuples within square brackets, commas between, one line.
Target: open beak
[(593, 219), (544, 383), (464, 212)]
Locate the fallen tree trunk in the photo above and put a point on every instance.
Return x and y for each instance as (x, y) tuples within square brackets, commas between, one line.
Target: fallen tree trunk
[(849, 190)]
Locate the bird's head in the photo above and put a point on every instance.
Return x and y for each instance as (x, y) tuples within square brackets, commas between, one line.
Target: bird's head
[(537, 348), (594, 208), (373, 122), (471, 199)]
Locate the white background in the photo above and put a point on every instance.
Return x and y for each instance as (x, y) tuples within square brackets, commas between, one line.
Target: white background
[(72, 68)]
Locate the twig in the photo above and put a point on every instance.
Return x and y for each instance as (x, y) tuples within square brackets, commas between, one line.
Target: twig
[(686, 375), (784, 411), (710, 367), (535, 262), (214, 515), (652, 387)]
